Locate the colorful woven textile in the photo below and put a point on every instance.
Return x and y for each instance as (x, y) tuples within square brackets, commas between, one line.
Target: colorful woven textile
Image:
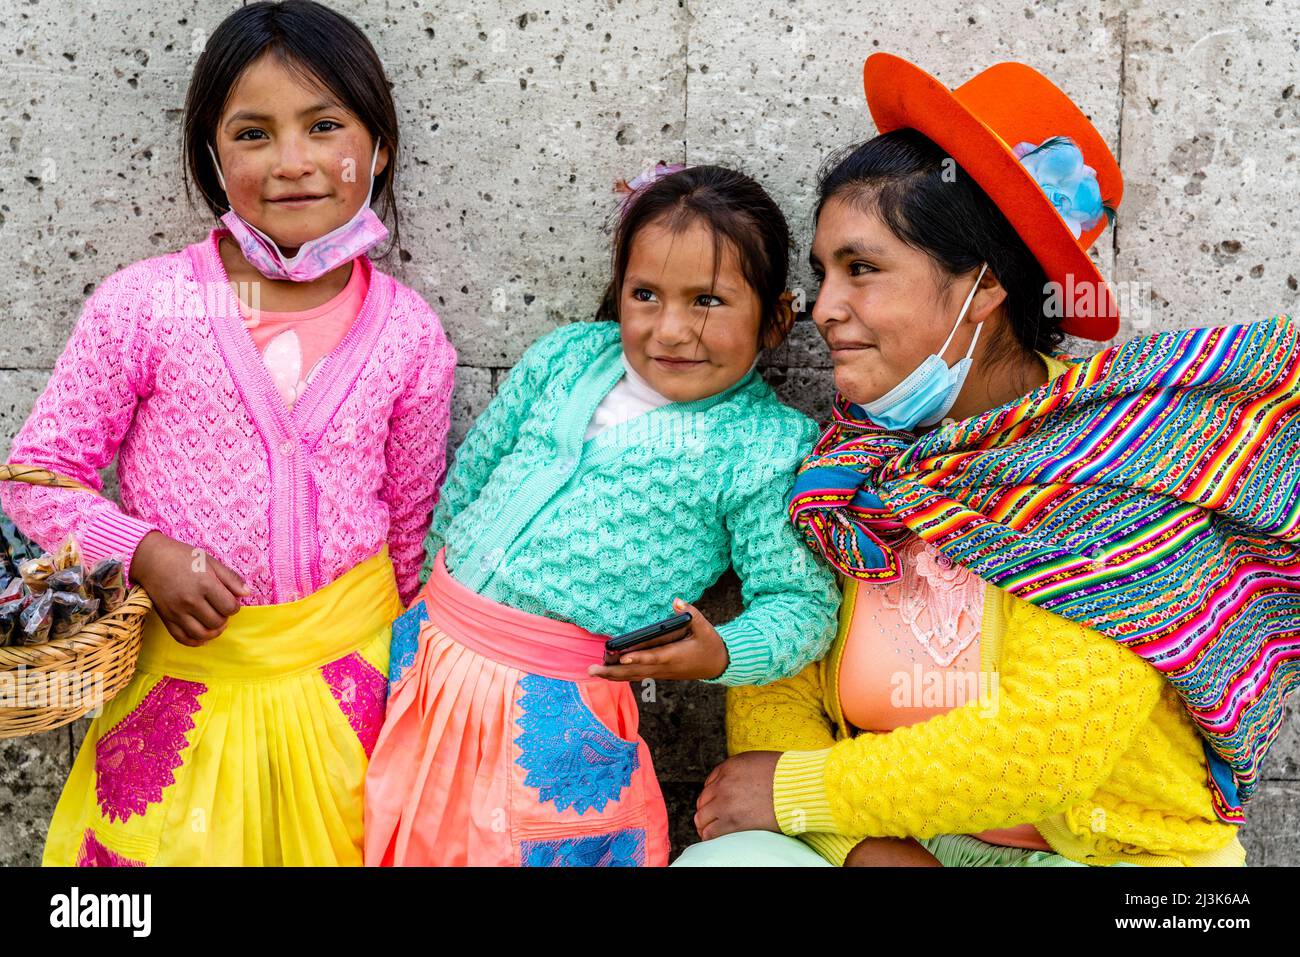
[(1150, 493)]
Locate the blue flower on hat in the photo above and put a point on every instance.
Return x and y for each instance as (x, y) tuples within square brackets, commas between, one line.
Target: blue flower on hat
[(1057, 165)]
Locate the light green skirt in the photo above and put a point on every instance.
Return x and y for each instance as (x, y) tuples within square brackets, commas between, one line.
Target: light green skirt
[(767, 849)]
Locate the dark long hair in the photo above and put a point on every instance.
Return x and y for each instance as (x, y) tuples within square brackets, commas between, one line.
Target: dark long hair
[(933, 206), (734, 208), (317, 44)]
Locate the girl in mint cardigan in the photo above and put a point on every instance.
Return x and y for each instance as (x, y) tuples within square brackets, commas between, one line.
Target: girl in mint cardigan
[(621, 467)]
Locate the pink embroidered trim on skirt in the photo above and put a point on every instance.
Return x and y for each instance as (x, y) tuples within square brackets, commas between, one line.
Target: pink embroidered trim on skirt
[(95, 854), (137, 758)]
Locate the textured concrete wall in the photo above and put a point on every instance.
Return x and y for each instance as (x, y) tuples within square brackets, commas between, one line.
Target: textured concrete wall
[(517, 117)]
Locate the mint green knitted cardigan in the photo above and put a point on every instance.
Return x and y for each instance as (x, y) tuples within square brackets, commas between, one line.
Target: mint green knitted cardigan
[(605, 533)]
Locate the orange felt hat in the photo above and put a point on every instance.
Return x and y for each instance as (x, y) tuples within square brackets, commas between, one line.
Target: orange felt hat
[(978, 124)]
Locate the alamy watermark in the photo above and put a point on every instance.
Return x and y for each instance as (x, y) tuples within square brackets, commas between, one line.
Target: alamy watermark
[(1086, 299), (75, 909), (187, 299), (26, 687), (933, 688)]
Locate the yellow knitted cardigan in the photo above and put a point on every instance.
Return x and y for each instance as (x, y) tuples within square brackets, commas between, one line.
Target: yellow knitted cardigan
[(1086, 741)]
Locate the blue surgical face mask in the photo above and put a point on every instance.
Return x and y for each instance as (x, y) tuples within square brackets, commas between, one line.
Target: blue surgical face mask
[(925, 396)]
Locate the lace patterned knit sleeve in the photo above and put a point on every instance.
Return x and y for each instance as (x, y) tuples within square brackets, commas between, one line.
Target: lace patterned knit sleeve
[(791, 599), (494, 433), (78, 422), (1068, 703), (787, 715), (416, 453)]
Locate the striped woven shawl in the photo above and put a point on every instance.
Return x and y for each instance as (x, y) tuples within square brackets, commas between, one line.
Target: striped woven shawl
[(1150, 493)]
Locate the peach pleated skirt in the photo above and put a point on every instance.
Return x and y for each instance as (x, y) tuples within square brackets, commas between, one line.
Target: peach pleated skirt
[(499, 750)]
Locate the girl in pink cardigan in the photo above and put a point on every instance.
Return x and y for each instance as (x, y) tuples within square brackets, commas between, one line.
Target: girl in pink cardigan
[(279, 408)]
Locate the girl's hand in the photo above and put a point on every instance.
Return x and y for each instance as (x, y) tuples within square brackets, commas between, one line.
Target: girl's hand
[(702, 655), (737, 796), (193, 593)]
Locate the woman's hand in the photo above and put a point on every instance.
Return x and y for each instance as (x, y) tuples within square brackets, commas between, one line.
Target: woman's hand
[(737, 796), (193, 593), (702, 655)]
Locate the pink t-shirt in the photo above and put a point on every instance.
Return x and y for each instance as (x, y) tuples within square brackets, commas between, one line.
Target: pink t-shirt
[(293, 344)]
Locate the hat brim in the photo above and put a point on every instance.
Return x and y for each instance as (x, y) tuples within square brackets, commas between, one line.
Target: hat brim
[(901, 95)]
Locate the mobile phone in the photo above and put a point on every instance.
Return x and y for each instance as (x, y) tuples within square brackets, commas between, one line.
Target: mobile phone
[(651, 636)]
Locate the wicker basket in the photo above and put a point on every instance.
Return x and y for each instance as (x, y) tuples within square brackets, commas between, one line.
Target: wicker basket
[(65, 679)]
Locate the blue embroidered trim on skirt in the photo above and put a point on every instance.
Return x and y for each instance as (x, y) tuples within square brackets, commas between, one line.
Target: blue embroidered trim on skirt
[(406, 640), (571, 758), (624, 848)]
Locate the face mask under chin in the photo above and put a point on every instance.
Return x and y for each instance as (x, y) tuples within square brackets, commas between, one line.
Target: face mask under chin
[(926, 395), (316, 257)]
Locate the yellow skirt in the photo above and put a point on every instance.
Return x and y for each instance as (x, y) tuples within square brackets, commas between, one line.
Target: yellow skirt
[(249, 750)]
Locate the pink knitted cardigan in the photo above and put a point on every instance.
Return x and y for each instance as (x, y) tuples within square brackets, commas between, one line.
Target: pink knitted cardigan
[(161, 371)]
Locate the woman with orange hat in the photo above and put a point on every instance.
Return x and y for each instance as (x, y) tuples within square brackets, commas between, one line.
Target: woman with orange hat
[(1071, 587)]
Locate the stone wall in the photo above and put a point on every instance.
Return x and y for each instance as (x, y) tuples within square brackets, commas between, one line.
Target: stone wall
[(518, 116)]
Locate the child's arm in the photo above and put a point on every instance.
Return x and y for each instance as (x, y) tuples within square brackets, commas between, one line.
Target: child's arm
[(416, 455), (495, 432), (791, 598), (76, 426)]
